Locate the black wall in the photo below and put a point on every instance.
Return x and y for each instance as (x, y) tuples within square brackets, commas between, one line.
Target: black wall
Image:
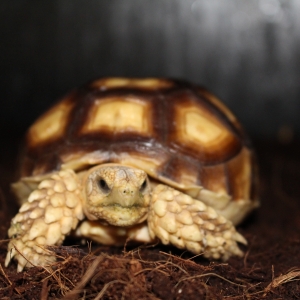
[(245, 51)]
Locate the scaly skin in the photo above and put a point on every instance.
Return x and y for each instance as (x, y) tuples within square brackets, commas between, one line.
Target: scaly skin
[(50, 213), (187, 223), (122, 197)]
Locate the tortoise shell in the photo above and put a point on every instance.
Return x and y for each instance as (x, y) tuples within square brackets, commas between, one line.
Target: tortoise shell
[(177, 132)]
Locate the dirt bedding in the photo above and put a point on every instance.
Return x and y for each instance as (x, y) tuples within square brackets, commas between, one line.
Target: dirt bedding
[(270, 268)]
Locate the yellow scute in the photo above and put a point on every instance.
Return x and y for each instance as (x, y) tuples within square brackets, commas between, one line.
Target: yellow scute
[(118, 115), (201, 129), (197, 125), (146, 83), (51, 125)]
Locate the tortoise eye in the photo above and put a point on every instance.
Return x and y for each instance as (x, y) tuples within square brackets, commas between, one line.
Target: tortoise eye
[(103, 186), (143, 186)]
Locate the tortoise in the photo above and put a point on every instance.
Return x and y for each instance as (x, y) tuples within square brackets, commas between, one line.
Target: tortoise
[(134, 159)]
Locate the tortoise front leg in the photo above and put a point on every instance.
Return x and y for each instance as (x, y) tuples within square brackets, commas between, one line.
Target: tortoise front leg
[(178, 219), (50, 213)]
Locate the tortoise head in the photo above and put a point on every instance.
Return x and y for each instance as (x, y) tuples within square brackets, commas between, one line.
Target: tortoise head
[(117, 194)]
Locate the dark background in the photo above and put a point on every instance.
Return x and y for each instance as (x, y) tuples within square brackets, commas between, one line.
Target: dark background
[(246, 52)]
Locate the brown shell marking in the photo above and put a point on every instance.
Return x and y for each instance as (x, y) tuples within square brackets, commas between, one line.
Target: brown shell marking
[(51, 126), (231, 177), (174, 130)]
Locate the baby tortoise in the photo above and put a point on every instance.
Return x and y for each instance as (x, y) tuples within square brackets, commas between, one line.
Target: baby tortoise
[(134, 159)]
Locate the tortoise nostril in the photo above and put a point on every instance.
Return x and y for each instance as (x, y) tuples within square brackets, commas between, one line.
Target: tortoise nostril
[(128, 191)]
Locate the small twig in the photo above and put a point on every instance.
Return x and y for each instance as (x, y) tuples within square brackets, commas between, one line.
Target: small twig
[(56, 274), (150, 269), (185, 261), (106, 286), (282, 279), (86, 277), (44, 292), (208, 274), (98, 274), (195, 256), (3, 273), (137, 249), (163, 264)]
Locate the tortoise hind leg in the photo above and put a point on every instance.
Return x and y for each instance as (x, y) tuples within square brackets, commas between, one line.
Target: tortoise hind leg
[(178, 219), (50, 213), (113, 235)]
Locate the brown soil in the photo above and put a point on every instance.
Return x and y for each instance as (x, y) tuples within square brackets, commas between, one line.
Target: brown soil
[(269, 270)]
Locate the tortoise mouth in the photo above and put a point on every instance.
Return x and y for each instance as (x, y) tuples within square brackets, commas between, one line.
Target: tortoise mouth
[(119, 206), (118, 215)]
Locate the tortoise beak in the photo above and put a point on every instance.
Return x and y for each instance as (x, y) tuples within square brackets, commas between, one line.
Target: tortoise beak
[(126, 197)]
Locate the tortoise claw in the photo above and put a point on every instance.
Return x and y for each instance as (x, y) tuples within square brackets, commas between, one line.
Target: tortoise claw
[(22, 262), (9, 256), (239, 238)]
